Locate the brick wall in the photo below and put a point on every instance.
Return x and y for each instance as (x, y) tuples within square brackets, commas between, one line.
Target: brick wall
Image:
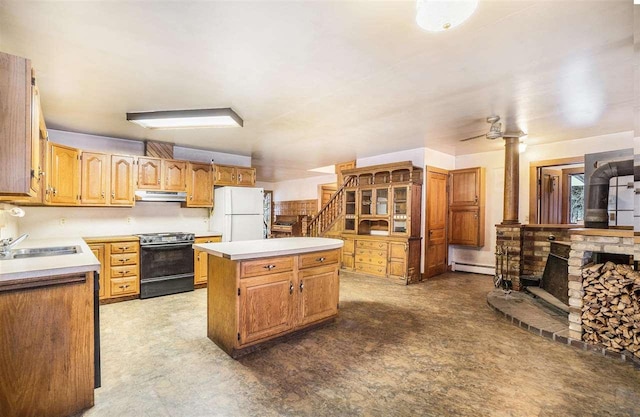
[(536, 246), (509, 239)]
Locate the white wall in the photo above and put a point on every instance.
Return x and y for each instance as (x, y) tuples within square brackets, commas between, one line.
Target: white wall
[(494, 164), (300, 189), (43, 222), (414, 155)]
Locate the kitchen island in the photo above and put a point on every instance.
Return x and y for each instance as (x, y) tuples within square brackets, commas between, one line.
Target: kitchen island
[(260, 290), (47, 344)]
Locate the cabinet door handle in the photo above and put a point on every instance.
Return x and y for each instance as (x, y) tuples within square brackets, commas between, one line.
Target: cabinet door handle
[(191, 197), (475, 200), (321, 259), (113, 194), (239, 177), (233, 177), (269, 267), (54, 191), (158, 181), (301, 286), (290, 287), (102, 194)]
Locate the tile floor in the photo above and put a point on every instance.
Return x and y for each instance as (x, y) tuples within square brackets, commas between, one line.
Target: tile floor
[(430, 349)]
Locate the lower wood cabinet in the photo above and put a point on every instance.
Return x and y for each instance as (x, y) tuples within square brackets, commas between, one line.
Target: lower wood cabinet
[(201, 262), (252, 301), (120, 266), (392, 257)]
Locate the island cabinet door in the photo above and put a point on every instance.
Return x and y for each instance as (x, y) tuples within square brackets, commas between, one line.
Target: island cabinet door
[(318, 293), (266, 306)]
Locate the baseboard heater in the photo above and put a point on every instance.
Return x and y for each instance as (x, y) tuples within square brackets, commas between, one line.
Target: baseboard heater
[(475, 268)]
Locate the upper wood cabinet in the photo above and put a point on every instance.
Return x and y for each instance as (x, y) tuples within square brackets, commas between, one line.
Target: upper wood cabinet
[(106, 179), (234, 176), (199, 185), (174, 175), (62, 175), (19, 120), (122, 180), (94, 179), (149, 173), (466, 207), (465, 187), (161, 174)]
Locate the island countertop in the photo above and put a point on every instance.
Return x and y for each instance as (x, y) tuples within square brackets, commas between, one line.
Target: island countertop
[(265, 248), (33, 269)]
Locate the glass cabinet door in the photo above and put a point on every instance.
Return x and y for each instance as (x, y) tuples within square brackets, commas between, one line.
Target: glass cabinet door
[(349, 210), (366, 200), (382, 195), (399, 215)]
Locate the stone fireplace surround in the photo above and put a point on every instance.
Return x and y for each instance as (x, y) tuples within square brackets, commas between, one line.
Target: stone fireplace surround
[(529, 246)]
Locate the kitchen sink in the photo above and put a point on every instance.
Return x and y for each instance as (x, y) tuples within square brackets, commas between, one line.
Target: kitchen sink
[(40, 252)]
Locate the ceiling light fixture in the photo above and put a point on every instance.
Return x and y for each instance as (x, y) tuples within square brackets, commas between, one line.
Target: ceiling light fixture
[(186, 119), (439, 15)]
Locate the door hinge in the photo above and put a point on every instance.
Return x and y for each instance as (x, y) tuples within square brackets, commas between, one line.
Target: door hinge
[(238, 292), (33, 81), (238, 336)]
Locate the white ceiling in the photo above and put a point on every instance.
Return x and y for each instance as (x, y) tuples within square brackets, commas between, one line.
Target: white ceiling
[(322, 82)]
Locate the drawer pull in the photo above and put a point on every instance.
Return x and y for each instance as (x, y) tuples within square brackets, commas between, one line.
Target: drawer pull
[(321, 259), (124, 260), (269, 267)]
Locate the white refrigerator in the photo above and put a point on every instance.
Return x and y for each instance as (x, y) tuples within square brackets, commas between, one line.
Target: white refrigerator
[(238, 213)]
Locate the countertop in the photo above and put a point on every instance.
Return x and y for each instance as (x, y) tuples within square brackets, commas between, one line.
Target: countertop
[(26, 270), (265, 248)]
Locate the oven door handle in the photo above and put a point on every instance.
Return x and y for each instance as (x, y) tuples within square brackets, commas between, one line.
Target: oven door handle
[(167, 246)]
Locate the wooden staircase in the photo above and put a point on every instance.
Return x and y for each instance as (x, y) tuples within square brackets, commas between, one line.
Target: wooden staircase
[(330, 213)]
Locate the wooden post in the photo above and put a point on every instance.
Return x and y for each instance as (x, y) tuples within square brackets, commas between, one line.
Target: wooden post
[(511, 181)]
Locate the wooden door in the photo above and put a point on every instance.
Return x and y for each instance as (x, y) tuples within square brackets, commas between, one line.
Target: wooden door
[(149, 173), (63, 175), (436, 222), (122, 178), (266, 306), (199, 185), (224, 175), (326, 192), (551, 196), (245, 176), (98, 251), (175, 175), (318, 291), (94, 178), (465, 187)]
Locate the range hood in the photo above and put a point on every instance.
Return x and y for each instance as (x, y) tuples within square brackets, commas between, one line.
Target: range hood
[(179, 196)]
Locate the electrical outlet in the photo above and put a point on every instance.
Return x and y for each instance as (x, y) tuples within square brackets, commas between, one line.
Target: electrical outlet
[(205, 219), (129, 219), (63, 221)]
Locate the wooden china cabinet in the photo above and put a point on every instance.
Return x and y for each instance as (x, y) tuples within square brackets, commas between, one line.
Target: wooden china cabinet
[(381, 229)]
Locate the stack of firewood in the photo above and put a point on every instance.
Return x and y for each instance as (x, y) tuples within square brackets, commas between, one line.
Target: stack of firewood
[(611, 307)]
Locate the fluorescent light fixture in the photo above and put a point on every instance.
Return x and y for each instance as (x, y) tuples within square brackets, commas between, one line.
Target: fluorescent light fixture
[(439, 15), (186, 119), (329, 169)]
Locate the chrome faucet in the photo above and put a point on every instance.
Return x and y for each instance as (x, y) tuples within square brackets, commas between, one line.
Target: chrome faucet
[(7, 244)]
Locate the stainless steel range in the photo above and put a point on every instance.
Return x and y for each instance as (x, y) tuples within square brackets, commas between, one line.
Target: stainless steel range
[(166, 263)]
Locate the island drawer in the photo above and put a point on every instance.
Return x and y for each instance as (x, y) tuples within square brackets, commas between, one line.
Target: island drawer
[(123, 286), (266, 266), (125, 247), (124, 259), (311, 260), (375, 245), (124, 271)]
